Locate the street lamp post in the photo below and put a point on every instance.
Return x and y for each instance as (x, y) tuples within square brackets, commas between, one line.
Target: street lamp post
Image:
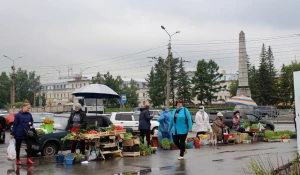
[(169, 67), (12, 96)]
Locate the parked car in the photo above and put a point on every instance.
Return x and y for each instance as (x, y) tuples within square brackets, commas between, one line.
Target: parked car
[(266, 111), (2, 127), (130, 120), (50, 144), (37, 119), (250, 117)]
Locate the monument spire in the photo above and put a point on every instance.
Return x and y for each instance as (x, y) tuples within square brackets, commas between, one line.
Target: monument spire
[(243, 88)]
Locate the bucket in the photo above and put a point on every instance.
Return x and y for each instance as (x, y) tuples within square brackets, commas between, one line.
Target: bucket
[(226, 136), (191, 144), (59, 158), (69, 159), (197, 143)]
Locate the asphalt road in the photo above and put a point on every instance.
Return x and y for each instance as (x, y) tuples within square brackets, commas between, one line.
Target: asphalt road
[(229, 159)]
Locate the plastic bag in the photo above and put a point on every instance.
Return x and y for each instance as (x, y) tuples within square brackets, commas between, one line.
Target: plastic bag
[(11, 151), (93, 156)]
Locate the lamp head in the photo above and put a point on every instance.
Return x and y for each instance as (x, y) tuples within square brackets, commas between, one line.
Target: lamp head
[(177, 31), (163, 27)]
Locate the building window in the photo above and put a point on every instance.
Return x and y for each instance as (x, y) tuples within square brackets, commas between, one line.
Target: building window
[(225, 97), (143, 94), (144, 86), (60, 95), (144, 102), (54, 95), (57, 86), (138, 85), (72, 86), (221, 97), (224, 78), (124, 85), (80, 84), (46, 87), (65, 86), (53, 87), (61, 86)]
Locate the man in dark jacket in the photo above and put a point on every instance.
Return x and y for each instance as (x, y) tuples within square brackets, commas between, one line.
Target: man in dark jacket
[(144, 124), (77, 121)]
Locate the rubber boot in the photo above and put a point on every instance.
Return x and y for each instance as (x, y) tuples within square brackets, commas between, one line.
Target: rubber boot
[(18, 161), (29, 161)]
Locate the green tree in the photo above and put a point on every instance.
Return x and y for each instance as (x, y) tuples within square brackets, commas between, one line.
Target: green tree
[(253, 75), (287, 81), (114, 83), (26, 83), (157, 82), (264, 77), (200, 81), (98, 79), (173, 78), (233, 87), (213, 80), (5, 89), (132, 96), (183, 84)]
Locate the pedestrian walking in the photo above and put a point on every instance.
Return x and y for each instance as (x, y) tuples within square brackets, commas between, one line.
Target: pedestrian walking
[(145, 124), (164, 121), (181, 123), (77, 120), (202, 122), (23, 120), (294, 113)]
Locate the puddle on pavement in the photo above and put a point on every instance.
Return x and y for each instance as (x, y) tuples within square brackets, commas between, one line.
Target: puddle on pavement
[(230, 151), (151, 170), (239, 158), (218, 160)]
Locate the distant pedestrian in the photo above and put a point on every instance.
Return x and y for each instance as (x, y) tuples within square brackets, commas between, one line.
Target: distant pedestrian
[(23, 120), (202, 122), (294, 113), (218, 126), (77, 120), (145, 124), (181, 123), (164, 121)]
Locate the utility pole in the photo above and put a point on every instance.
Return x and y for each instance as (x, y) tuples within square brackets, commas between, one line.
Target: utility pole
[(169, 67), (12, 103)]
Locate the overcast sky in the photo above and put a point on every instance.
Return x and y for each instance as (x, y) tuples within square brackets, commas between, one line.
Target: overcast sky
[(112, 35)]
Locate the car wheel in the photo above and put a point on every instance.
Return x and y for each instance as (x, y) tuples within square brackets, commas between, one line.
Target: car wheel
[(50, 149), (153, 130)]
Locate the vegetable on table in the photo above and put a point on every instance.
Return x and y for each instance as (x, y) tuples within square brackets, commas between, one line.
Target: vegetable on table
[(127, 136)]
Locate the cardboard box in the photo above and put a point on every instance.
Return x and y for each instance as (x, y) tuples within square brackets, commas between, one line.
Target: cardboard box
[(128, 142)]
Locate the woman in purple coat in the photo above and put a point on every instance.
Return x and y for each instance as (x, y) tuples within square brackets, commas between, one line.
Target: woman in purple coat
[(23, 120)]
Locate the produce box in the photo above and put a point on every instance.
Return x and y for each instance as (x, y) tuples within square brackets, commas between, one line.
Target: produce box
[(103, 133), (243, 136), (111, 133), (136, 141), (123, 131), (128, 142), (254, 130), (134, 148)]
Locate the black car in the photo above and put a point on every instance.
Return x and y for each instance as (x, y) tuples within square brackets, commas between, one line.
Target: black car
[(2, 129), (50, 144), (247, 117)]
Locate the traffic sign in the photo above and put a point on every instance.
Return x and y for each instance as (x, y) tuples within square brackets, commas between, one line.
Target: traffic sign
[(123, 98)]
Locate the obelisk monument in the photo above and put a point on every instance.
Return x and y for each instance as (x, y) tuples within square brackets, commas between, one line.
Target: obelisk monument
[(243, 88)]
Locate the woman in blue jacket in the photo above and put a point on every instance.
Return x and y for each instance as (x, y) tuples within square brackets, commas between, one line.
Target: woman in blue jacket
[(22, 120), (181, 123)]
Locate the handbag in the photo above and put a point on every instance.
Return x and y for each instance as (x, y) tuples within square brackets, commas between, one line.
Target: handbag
[(31, 133)]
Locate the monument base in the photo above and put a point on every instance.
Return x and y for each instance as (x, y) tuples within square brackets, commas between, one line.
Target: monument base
[(243, 91)]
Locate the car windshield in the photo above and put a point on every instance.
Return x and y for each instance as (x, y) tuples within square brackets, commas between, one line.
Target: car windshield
[(92, 102), (38, 118), (60, 123)]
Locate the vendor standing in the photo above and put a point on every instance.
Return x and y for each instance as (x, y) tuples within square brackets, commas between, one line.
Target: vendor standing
[(77, 121), (218, 126), (202, 121)]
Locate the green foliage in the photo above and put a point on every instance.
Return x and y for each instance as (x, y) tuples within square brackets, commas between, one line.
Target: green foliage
[(260, 135), (183, 85), (254, 126), (131, 94), (127, 136), (157, 82), (233, 87), (175, 75), (143, 147), (246, 124), (165, 143), (269, 134), (92, 127), (207, 81), (5, 89), (187, 145)]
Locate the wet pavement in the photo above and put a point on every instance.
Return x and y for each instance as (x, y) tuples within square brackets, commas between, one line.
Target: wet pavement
[(228, 159), (232, 159)]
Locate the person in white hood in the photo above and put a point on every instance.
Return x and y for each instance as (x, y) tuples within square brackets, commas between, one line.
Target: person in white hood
[(202, 121)]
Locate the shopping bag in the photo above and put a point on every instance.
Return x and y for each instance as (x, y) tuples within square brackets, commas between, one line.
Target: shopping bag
[(93, 156), (11, 151)]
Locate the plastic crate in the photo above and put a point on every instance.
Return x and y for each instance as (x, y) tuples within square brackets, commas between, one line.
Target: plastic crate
[(134, 148)]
